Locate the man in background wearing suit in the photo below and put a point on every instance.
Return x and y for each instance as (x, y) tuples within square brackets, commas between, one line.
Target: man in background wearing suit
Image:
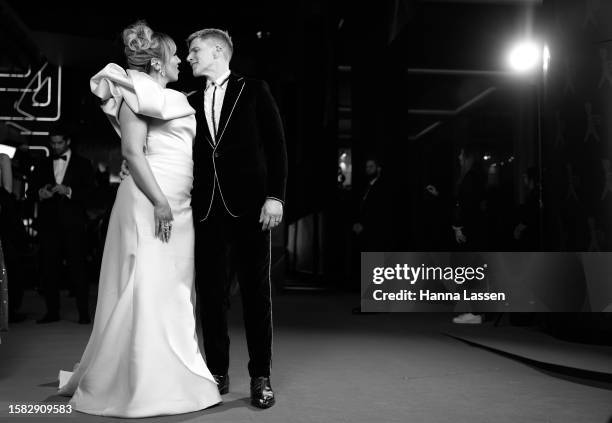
[(61, 184), (372, 225), (240, 173)]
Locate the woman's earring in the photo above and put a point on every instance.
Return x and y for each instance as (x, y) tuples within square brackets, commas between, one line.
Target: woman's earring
[(162, 72)]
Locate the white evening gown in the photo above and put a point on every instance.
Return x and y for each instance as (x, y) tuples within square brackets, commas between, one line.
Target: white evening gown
[(142, 358)]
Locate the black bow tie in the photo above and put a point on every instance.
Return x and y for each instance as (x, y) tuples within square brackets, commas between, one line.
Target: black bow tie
[(62, 157)]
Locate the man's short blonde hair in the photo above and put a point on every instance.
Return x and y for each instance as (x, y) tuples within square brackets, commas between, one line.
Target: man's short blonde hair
[(218, 36)]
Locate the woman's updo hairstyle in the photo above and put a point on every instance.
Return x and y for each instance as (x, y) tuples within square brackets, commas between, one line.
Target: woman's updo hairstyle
[(143, 44)]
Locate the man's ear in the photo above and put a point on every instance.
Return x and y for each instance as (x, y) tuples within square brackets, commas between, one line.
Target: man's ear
[(218, 51)]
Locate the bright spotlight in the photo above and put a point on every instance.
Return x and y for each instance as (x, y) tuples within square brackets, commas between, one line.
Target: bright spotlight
[(545, 58), (524, 56)]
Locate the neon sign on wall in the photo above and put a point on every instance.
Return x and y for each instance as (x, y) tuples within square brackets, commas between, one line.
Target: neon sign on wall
[(29, 97)]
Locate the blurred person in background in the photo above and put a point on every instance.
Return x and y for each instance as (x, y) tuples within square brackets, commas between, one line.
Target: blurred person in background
[(62, 184), (14, 240), (469, 219)]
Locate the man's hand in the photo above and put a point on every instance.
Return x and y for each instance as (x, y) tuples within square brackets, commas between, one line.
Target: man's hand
[(518, 231), (45, 192), (125, 170), (459, 237), (271, 214), (432, 190), (61, 190)]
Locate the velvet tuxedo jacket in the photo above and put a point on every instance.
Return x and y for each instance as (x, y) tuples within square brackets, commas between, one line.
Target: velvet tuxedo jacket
[(248, 161)]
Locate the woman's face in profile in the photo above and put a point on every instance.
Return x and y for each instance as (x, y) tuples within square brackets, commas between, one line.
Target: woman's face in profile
[(172, 68)]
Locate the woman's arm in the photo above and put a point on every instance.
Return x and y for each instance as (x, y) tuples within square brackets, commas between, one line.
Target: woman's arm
[(6, 175), (133, 137)]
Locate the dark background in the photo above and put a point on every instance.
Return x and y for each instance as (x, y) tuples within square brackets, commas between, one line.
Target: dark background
[(340, 73)]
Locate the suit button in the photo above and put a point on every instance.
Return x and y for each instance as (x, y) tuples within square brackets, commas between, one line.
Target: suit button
[(217, 155)]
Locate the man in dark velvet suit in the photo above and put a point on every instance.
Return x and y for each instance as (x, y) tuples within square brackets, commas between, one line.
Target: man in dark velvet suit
[(240, 173), (61, 184)]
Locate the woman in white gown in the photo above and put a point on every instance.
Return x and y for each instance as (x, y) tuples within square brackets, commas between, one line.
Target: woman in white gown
[(142, 358)]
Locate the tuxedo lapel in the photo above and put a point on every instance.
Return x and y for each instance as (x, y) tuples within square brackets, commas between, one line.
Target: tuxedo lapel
[(51, 171), (202, 122), (69, 171), (235, 85)]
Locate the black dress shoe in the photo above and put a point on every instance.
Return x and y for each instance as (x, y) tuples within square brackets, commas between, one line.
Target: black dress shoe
[(262, 395), (48, 318), (222, 383)]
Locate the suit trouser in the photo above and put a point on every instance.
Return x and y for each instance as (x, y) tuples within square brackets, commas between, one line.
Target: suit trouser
[(57, 243), (225, 243)]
